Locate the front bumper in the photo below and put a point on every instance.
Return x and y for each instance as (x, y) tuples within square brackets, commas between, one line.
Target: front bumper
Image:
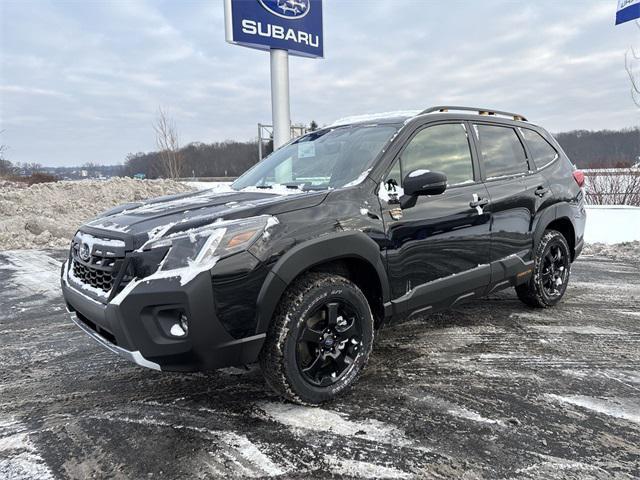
[(135, 357), (136, 325)]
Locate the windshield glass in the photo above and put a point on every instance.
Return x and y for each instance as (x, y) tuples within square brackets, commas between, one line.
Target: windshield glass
[(328, 158)]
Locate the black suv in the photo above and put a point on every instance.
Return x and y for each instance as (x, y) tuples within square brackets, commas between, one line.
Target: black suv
[(334, 235)]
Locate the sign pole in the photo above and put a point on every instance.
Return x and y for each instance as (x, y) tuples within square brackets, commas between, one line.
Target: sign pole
[(280, 110), (283, 27)]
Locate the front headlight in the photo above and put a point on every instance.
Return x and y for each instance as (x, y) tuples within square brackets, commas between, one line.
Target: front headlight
[(193, 251)]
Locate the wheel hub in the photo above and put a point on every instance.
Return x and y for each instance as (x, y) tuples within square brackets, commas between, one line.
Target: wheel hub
[(328, 341)]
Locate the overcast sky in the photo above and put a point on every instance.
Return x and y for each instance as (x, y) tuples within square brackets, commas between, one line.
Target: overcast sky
[(82, 80)]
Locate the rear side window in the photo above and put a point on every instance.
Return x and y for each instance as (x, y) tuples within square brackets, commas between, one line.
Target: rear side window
[(441, 148), (541, 151), (502, 151)]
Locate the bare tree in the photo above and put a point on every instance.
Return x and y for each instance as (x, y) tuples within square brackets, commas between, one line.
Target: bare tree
[(631, 59), (5, 165), (91, 168), (613, 186), (168, 143)]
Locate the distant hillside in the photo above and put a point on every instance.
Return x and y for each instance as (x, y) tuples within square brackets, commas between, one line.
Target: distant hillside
[(602, 148), (220, 159)]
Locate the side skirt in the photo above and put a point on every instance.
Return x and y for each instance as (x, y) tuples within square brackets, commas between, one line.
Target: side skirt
[(446, 292)]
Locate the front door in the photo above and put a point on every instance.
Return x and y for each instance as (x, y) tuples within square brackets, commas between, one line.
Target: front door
[(437, 251)]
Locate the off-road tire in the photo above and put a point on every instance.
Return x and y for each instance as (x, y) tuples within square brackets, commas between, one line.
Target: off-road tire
[(532, 293), (278, 359)]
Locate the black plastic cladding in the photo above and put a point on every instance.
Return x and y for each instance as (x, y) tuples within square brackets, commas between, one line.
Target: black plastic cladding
[(442, 251)]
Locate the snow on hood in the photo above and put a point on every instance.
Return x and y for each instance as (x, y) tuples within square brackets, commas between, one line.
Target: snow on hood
[(195, 201), (157, 217)]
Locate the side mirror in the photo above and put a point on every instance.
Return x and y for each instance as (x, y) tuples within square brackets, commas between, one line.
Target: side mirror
[(424, 182)]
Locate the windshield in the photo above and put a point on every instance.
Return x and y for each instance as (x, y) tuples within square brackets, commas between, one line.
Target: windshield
[(328, 158)]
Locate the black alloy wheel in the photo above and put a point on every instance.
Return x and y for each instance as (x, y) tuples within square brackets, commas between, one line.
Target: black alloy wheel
[(551, 269), (319, 340), (329, 343), (555, 270)]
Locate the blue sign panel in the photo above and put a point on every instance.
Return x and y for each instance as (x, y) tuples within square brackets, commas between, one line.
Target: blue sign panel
[(293, 25), (627, 10)]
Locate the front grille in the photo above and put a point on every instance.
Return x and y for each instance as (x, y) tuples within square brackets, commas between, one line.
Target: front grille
[(99, 269), (100, 279)]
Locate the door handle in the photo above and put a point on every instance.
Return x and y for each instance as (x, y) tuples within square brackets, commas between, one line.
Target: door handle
[(478, 202), (541, 191)]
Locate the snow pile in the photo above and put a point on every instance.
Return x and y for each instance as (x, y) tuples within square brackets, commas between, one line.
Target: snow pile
[(48, 214), (214, 186), (9, 184), (624, 252)]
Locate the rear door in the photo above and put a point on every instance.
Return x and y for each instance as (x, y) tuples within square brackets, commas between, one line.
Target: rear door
[(508, 177), (437, 249), (540, 155)]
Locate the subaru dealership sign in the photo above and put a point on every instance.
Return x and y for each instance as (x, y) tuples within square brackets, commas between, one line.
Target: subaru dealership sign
[(627, 10), (292, 25)]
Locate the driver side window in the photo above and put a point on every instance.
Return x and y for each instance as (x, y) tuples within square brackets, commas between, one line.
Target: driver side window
[(441, 148)]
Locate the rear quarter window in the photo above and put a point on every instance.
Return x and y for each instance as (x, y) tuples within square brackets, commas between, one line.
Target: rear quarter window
[(541, 150), (502, 152)]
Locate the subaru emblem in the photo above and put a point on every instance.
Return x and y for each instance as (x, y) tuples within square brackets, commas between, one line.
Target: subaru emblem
[(84, 252), (290, 9)]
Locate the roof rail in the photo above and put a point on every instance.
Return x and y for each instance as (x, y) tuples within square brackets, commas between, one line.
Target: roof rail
[(479, 111)]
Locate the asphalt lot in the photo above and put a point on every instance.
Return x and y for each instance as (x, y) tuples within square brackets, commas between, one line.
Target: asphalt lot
[(492, 389)]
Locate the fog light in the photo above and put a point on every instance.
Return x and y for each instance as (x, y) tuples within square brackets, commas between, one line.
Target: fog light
[(181, 328)]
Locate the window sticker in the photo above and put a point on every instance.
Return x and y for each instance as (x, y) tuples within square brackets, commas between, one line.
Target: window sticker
[(306, 150)]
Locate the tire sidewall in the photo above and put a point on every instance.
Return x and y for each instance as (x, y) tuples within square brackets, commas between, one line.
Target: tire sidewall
[(311, 301)]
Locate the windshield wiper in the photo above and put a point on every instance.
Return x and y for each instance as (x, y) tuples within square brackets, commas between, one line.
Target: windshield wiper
[(293, 186)]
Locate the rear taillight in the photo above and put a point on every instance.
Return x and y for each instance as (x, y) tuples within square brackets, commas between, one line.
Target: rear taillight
[(578, 176)]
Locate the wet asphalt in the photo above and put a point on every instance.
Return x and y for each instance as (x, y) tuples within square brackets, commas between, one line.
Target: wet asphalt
[(491, 389)]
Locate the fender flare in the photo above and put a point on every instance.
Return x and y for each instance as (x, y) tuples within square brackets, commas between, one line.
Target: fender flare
[(550, 214), (302, 257)]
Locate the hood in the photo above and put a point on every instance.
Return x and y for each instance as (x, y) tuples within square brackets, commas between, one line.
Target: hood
[(136, 221)]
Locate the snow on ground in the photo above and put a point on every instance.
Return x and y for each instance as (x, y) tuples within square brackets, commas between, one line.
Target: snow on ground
[(19, 457), (612, 224), (33, 273), (625, 408), (359, 469), (318, 419), (48, 214)]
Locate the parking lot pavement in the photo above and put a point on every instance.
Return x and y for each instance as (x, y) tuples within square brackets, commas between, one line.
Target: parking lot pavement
[(492, 389)]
